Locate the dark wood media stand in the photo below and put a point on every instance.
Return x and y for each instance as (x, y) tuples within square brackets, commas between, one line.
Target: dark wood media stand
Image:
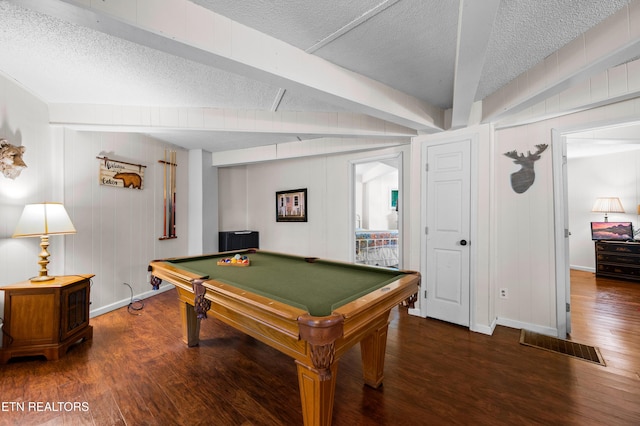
[(618, 259)]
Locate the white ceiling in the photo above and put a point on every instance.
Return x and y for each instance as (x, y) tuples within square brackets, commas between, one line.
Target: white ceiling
[(441, 54)]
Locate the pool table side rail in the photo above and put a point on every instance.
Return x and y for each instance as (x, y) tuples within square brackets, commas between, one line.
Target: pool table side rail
[(355, 307), (276, 330), (170, 272), (377, 304), (179, 259), (287, 312), (407, 285)]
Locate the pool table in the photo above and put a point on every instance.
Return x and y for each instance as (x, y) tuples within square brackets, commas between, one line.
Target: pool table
[(310, 309)]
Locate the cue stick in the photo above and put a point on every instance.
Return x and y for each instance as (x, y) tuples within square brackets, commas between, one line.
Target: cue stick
[(175, 189), (164, 184), (174, 165), (169, 194)]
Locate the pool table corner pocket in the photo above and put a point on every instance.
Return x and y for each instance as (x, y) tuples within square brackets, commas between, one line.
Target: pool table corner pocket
[(321, 333)]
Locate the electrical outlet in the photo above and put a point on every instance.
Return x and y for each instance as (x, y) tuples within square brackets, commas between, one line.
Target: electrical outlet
[(504, 294)]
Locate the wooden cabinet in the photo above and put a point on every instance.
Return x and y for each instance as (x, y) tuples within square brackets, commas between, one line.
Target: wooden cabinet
[(618, 259), (45, 318)]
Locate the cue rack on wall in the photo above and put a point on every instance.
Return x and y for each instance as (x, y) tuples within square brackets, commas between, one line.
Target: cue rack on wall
[(169, 166)]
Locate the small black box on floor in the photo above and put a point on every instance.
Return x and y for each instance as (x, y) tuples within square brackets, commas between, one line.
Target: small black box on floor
[(237, 240)]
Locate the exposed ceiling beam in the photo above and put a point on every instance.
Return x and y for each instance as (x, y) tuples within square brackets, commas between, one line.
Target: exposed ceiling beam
[(475, 23), (187, 30), (277, 99), (351, 25), (153, 119), (335, 35), (304, 148)]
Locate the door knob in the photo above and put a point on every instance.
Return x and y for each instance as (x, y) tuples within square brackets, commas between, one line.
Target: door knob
[(463, 242)]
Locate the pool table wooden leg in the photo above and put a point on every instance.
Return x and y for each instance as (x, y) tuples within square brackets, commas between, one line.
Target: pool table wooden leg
[(373, 348), (317, 391), (190, 324)]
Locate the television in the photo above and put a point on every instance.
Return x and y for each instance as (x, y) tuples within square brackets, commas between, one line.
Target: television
[(621, 231)]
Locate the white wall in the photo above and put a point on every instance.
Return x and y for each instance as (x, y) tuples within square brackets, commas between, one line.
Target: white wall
[(611, 175), (203, 204), (24, 121), (118, 229), (233, 213), (524, 258), (247, 201), (524, 235), (377, 213)]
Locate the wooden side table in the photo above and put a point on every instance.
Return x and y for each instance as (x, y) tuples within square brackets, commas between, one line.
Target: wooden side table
[(45, 318)]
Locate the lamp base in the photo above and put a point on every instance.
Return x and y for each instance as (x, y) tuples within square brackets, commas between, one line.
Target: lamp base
[(43, 274), (41, 278)]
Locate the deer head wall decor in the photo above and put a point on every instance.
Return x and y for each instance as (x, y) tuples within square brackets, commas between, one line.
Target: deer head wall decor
[(524, 178), (11, 163)]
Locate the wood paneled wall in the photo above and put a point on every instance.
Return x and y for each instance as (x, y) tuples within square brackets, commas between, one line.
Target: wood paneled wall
[(118, 228)]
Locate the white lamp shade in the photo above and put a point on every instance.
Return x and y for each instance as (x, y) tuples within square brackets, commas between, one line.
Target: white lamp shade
[(607, 205), (43, 219)]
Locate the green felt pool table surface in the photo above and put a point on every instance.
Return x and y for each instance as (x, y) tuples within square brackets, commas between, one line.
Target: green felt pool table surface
[(317, 286)]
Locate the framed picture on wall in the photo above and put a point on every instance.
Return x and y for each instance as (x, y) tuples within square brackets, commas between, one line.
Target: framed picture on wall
[(394, 199), (291, 205)]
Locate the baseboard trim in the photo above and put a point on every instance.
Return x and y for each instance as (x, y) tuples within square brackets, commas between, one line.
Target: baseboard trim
[(125, 302), (549, 331), (485, 329), (582, 268)]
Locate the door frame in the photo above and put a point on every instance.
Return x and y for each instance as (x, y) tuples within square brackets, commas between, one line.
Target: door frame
[(561, 215), (432, 140), (561, 232), (352, 202)]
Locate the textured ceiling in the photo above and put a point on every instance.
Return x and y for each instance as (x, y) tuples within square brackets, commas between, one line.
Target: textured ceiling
[(411, 44), (66, 63), (527, 31), (408, 45)]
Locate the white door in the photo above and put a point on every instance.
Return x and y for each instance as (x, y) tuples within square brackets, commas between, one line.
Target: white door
[(448, 201)]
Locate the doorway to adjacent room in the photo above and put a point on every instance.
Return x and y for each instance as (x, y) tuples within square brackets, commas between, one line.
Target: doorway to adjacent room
[(377, 206)]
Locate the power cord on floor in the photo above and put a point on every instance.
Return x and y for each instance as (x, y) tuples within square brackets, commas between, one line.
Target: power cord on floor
[(135, 304), (4, 332)]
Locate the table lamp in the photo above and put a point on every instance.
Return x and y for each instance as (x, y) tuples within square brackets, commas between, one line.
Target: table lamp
[(42, 220), (607, 205)]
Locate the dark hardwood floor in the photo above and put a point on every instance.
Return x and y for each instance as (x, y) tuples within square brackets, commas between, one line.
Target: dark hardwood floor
[(137, 371)]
